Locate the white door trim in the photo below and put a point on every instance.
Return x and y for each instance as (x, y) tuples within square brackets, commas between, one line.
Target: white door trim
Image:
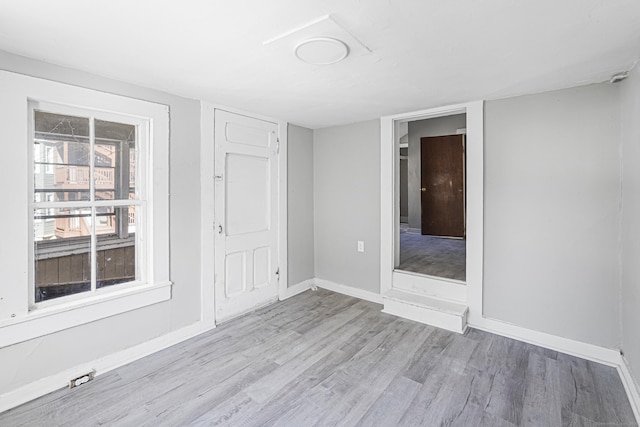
[(389, 206), (207, 157)]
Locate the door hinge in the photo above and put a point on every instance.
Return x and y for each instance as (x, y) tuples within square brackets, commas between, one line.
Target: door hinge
[(277, 145), (278, 273)]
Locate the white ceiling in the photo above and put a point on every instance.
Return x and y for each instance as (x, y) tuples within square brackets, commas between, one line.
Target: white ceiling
[(425, 53)]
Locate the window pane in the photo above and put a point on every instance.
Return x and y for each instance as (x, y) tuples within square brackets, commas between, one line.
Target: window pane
[(116, 245), (62, 252), (105, 170), (60, 157), (114, 160), (133, 154)]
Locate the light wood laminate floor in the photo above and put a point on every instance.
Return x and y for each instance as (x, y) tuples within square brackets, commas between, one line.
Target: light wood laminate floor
[(432, 255), (325, 359)]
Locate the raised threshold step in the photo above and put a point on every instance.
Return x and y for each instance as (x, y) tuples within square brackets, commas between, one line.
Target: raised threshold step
[(428, 310)]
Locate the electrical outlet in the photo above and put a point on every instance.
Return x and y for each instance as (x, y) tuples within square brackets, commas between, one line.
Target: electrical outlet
[(82, 379), (360, 246)]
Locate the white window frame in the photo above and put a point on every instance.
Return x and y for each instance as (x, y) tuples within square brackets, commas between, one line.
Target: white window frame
[(142, 144), (20, 319)]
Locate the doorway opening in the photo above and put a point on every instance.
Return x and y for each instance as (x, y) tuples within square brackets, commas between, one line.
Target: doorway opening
[(432, 196), (393, 280)]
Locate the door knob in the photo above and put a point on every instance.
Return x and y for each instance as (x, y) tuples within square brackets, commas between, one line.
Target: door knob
[(423, 189)]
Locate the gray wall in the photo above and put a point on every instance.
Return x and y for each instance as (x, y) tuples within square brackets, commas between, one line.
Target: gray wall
[(418, 129), (346, 164), (552, 193), (630, 233), (300, 204), (48, 355)]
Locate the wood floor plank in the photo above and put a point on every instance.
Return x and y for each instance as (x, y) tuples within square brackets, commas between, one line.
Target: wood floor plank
[(506, 397), (292, 397), (326, 359), (613, 398), (542, 391), (372, 373), (391, 404), (446, 391), (303, 356), (316, 335), (428, 355), (230, 412)]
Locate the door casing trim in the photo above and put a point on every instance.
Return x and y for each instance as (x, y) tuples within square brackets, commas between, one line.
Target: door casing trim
[(389, 197)]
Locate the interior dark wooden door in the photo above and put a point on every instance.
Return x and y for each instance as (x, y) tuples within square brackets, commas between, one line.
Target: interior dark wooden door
[(442, 192)]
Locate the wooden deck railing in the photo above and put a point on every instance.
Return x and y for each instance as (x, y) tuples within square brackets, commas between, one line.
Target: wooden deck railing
[(62, 267)]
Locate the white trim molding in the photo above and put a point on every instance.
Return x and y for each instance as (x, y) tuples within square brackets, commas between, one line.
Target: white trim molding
[(283, 267), (207, 254), (105, 364), (53, 319), (631, 386), (298, 288), (349, 290), (569, 346)]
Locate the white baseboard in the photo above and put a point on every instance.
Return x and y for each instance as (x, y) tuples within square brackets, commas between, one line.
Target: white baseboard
[(631, 386), (105, 364), (298, 288), (580, 349), (348, 290)]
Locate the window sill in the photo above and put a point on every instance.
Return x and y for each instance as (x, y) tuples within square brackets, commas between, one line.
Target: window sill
[(47, 320)]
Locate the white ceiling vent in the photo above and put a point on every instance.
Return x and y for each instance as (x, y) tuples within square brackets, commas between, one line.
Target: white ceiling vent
[(322, 50), (321, 42)]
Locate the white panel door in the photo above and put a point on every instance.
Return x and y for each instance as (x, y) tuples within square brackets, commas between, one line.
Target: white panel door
[(246, 213)]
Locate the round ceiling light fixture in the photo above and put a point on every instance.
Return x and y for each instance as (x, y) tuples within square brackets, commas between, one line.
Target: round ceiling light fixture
[(322, 51)]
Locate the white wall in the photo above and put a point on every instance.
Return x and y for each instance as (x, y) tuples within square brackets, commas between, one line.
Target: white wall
[(346, 164), (31, 360), (439, 126), (630, 232), (552, 193), (300, 204)]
